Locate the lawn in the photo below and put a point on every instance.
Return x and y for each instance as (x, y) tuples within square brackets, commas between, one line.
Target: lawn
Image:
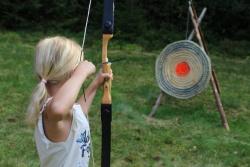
[(184, 133)]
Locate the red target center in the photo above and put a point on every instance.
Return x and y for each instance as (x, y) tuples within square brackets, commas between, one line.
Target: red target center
[(182, 69)]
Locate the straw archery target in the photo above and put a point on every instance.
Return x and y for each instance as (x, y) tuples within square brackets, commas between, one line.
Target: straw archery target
[(183, 69)]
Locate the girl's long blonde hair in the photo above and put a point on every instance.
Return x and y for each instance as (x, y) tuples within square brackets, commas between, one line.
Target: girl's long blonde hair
[(55, 58)]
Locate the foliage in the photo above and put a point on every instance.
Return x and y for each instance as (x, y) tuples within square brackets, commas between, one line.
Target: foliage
[(184, 133), (133, 18)]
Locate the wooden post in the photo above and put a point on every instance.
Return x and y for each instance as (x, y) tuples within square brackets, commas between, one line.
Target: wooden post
[(157, 103), (213, 81), (190, 37)]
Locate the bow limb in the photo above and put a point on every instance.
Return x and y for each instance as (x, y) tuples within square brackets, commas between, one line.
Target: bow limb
[(106, 106)]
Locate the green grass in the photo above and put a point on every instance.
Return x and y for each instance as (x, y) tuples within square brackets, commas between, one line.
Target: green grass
[(184, 133)]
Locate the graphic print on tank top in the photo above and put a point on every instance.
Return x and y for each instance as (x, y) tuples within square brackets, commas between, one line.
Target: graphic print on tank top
[(84, 143)]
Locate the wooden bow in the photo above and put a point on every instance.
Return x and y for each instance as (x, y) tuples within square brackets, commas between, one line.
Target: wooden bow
[(106, 105)]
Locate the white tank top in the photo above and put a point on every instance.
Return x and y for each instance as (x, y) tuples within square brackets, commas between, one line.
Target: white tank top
[(74, 151)]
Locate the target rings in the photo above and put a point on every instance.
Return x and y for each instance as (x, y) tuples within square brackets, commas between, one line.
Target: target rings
[(183, 69)]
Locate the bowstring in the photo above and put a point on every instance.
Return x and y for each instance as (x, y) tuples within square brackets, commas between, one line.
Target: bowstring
[(83, 40), (81, 59), (86, 25)]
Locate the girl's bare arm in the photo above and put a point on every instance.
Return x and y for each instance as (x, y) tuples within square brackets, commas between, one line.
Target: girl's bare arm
[(65, 97)]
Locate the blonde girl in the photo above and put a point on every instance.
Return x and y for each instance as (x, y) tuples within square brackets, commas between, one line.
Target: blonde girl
[(62, 132)]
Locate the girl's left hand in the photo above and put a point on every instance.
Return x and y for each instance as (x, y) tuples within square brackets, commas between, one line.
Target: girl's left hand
[(102, 76)]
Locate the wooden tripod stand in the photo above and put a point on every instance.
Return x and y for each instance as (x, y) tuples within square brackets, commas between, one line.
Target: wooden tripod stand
[(213, 81)]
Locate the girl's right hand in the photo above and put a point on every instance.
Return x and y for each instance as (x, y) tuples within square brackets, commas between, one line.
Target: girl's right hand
[(85, 67)]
